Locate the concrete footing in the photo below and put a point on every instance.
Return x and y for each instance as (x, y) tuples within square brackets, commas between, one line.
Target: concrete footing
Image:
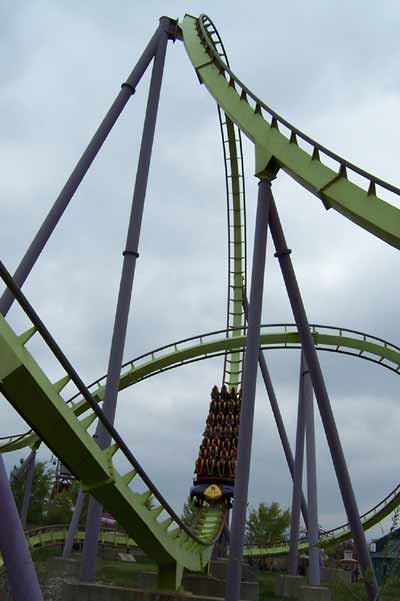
[(314, 593), (214, 587), (335, 574), (288, 587), (197, 587), (100, 592), (295, 587), (219, 569), (74, 591)]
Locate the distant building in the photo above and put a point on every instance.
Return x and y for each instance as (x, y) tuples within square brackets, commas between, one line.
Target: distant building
[(386, 558), (346, 558)]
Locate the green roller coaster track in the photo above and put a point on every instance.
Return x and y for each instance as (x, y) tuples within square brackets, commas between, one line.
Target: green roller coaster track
[(51, 536), (180, 353), (276, 151), (64, 427)]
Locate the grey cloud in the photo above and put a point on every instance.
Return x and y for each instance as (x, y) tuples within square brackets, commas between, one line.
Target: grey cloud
[(334, 78)]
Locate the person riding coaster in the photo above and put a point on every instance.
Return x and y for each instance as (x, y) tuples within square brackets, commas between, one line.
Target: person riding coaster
[(215, 465)]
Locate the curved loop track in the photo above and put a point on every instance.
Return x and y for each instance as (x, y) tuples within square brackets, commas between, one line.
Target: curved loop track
[(275, 336), (161, 532), (275, 150)]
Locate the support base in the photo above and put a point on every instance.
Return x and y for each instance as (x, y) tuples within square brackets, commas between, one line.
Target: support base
[(288, 587), (335, 574), (314, 593), (82, 591), (90, 592)]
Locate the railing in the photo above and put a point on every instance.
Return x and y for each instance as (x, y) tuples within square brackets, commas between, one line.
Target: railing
[(237, 231), (329, 536), (55, 534), (205, 25), (84, 391), (203, 339), (62, 529)]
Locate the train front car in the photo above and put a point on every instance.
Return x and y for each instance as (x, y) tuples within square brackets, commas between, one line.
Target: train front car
[(215, 465)]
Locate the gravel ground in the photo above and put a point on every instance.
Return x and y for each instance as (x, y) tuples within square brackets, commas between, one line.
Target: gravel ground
[(51, 585)]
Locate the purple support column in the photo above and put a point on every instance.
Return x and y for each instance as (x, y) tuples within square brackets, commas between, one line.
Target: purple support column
[(281, 428), (20, 570), (28, 489), (225, 537), (15, 554), (87, 158), (248, 395), (324, 405), (130, 254), (297, 483), (277, 414), (23, 467), (314, 572), (69, 541), (89, 552), (56, 212)]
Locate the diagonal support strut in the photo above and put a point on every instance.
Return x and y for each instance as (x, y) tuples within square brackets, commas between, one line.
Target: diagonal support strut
[(248, 395), (277, 414), (130, 255), (324, 405)]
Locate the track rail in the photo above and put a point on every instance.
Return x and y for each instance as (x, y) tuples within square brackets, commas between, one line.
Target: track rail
[(168, 541), (296, 153), (236, 218), (54, 535), (58, 423), (273, 337)]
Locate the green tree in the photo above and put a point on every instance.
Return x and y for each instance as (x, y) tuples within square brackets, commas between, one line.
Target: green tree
[(42, 483), (60, 508), (267, 524)]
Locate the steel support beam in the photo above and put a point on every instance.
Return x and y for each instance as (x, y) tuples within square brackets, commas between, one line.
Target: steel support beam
[(69, 541), (23, 467), (281, 428), (21, 573), (277, 414), (130, 255), (16, 553), (77, 175), (28, 488), (314, 572), (297, 483), (324, 405), (248, 395)]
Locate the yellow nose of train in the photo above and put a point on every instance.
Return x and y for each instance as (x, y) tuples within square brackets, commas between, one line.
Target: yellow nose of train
[(213, 493)]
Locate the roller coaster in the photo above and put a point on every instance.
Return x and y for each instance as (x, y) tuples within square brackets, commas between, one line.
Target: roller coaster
[(63, 425)]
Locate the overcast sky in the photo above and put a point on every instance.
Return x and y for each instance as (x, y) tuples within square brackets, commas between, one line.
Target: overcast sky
[(331, 69)]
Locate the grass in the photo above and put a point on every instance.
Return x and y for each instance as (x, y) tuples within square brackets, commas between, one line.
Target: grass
[(125, 574), (340, 591), (44, 553), (266, 581), (122, 573)]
